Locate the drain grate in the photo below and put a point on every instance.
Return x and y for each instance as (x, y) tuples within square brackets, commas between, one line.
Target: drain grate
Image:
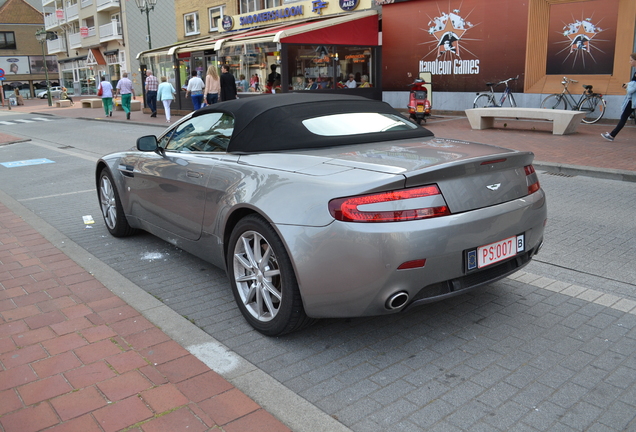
[(558, 174)]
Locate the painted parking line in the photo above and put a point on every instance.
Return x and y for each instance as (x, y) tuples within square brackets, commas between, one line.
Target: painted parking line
[(593, 296), (28, 162)]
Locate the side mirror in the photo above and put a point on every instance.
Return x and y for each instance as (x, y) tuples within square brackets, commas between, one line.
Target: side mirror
[(147, 143)]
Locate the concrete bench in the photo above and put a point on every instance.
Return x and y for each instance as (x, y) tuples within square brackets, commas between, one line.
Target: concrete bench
[(62, 103), (135, 105), (92, 103), (563, 121)]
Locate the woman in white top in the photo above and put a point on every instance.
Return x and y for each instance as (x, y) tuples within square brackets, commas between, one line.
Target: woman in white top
[(165, 93), (212, 86), (107, 96)]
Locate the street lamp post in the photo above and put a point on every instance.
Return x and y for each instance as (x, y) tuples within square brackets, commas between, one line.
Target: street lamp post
[(147, 6), (41, 36)]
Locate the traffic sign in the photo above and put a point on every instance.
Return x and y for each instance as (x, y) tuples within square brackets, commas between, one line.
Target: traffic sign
[(1, 73)]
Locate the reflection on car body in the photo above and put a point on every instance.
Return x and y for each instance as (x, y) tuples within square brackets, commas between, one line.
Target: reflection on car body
[(327, 206)]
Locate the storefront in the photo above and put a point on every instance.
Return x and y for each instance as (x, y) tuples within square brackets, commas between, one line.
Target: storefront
[(465, 44), (316, 53)]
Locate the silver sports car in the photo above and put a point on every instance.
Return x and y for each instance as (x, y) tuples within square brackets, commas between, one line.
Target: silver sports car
[(327, 205)]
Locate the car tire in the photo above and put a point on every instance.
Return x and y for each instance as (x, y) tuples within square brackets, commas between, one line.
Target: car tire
[(263, 280), (111, 207)]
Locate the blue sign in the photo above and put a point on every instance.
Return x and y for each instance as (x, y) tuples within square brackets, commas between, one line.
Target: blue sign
[(26, 163), (1, 73), (349, 5), (227, 22)]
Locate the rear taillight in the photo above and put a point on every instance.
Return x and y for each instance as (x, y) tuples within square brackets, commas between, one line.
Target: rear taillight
[(394, 206), (532, 179)]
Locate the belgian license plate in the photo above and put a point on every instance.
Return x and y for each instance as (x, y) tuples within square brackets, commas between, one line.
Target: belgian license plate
[(420, 108), (492, 253)]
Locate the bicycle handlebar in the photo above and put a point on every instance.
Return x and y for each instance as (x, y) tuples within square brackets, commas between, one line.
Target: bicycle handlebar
[(509, 79)]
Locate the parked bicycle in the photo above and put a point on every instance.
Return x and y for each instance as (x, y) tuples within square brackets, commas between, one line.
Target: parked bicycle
[(592, 103), (485, 100)]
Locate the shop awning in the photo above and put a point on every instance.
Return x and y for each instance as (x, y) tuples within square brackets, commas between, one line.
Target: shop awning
[(357, 28)]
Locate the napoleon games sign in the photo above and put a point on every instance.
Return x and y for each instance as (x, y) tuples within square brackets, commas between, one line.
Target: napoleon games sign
[(447, 43)]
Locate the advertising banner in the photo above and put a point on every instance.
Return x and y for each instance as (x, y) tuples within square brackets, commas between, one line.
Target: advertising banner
[(466, 43), (15, 65), (581, 38)]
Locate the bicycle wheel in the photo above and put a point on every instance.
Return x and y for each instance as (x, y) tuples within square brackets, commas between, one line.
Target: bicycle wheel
[(594, 107), (483, 101), (554, 101)]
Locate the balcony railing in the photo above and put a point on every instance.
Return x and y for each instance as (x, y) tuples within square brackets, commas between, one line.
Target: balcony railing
[(86, 3), (72, 12), (109, 31), (74, 40), (56, 45), (103, 5), (50, 21)]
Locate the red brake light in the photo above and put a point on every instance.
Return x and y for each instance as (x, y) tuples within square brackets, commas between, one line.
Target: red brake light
[(347, 209), (532, 179)]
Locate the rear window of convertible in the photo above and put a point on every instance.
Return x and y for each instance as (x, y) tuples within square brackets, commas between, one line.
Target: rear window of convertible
[(356, 124)]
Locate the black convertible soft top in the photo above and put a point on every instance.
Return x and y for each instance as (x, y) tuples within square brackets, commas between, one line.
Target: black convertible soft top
[(273, 123)]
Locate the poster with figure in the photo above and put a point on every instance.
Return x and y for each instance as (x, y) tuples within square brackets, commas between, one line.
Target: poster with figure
[(581, 38), (463, 44), (37, 65), (15, 65)]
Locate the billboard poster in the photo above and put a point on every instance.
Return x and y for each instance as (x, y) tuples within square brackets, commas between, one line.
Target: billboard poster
[(14, 65), (581, 38), (37, 66), (462, 43)]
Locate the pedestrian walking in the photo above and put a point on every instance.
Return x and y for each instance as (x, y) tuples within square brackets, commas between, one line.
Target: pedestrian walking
[(212, 86), (228, 84), (127, 92), (629, 103), (165, 93), (107, 96), (195, 89), (151, 92)]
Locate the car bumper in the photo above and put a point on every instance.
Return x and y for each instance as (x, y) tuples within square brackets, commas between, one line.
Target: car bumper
[(351, 269)]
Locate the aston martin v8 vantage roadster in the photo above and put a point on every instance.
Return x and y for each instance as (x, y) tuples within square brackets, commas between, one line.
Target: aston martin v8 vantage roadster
[(322, 205)]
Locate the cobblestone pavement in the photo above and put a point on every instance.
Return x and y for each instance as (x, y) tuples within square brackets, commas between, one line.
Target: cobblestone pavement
[(550, 348)]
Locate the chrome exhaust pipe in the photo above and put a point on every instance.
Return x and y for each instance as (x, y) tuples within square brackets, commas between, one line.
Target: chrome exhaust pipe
[(397, 300)]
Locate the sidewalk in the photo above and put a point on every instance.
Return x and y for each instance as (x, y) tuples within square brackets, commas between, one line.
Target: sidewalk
[(76, 357)]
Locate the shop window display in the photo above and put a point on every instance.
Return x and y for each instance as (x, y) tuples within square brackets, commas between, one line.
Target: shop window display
[(252, 60), (328, 67)]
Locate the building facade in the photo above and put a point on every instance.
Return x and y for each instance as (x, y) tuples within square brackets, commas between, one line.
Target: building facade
[(95, 38), (20, 53), (464, 44)]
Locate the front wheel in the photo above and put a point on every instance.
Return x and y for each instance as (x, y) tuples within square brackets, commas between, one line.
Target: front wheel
[(263, 280), (483, 101), (594, 108), (554, 101), (110, 204)]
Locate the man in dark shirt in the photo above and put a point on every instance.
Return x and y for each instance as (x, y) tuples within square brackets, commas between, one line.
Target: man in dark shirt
[(228, 84), (273, 76)]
